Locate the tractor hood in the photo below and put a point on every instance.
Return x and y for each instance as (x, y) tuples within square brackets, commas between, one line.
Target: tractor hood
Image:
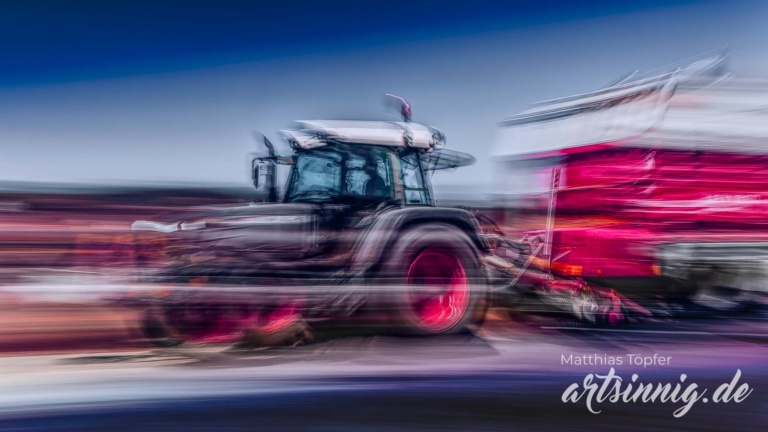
[(272, 229), (226, 217)]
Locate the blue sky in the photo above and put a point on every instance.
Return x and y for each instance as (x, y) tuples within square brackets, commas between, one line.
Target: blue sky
[(125, 92)]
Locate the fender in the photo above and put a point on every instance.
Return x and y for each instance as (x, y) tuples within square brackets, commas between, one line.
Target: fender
[(384, 231)]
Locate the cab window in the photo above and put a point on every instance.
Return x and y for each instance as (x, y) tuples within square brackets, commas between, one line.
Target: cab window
[(369, 174), (315, 176), (416, 192)]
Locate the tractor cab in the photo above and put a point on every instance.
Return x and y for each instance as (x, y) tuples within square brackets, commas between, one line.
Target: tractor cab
[(358, 163)]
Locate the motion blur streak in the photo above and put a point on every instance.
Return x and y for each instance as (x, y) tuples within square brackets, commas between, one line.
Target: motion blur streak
[(436, 264)]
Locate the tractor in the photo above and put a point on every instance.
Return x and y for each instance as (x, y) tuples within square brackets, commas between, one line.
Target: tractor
[(354, 235)]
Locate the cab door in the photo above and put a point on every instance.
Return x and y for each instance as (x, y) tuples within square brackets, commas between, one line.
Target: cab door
[(416, 188)]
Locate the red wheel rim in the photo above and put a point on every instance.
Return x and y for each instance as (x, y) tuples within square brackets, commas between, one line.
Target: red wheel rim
[(438, 289), (280, 318), (230, 325)]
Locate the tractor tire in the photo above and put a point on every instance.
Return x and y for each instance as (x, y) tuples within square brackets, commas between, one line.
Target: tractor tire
[(435, 282)]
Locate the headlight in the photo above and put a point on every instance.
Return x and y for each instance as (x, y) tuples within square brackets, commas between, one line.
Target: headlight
[(438, 138), (154, 226), (189, 226)]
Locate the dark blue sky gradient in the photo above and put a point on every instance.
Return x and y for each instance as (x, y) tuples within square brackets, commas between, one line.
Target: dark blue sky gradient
[(158, 91), (56, 41)]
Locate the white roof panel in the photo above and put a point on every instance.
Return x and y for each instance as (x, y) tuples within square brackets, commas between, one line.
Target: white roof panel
[(687, 109), (397, 134)]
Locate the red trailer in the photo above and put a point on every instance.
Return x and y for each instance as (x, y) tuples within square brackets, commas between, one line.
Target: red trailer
[(654, 185)]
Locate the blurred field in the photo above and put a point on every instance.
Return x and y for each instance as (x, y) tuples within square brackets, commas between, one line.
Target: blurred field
[(33, 327)]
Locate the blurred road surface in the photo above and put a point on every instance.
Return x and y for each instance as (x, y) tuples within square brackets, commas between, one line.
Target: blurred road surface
[(509, 376)]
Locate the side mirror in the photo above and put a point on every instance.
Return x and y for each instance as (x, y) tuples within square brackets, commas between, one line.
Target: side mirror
[(255, 173), (263, 173)]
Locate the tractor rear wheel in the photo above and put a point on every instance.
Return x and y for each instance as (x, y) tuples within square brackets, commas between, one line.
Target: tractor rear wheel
[(438, 284)]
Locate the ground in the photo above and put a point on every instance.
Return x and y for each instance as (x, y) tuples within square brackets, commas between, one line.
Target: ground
[(510, 375)]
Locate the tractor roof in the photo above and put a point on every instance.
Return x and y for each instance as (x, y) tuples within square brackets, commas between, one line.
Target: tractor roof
[(317, 133), (445, 159)]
